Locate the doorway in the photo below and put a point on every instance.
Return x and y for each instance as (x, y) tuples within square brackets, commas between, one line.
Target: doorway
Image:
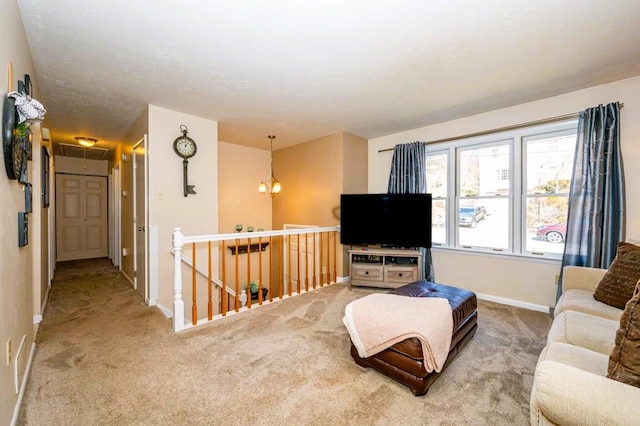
[(81, 217), (140, 219)]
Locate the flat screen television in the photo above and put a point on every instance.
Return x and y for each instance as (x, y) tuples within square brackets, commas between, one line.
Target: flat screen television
[(388, 220)]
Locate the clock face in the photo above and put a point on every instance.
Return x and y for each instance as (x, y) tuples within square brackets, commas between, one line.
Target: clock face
[(185, 147)]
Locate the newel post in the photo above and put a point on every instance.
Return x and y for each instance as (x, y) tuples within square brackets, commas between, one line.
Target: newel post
[(178, 303)]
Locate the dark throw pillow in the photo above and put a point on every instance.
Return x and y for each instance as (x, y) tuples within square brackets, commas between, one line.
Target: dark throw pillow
[(624, 362), (617, 285)]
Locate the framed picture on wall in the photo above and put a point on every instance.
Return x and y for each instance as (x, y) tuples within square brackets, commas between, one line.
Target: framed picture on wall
[(28, 197), (23, 229), (45, 177)]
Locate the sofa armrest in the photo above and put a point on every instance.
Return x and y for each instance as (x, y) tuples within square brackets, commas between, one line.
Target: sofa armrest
[(581, 277), (566, 395)]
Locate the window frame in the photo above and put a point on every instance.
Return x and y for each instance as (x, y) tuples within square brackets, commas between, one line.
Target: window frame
[(517, 197)]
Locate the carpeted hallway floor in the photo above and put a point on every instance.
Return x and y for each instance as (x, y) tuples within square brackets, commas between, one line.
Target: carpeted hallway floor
[(104, 358)]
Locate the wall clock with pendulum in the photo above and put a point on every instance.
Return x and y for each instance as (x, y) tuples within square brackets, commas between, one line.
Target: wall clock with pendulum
[(186, 148)]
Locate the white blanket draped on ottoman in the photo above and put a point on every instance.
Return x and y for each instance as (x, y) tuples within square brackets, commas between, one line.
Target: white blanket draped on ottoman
[(378, 321)]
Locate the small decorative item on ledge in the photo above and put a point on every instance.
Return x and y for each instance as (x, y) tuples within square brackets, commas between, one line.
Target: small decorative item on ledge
[(254, 286), (238, 227), (244, 248)]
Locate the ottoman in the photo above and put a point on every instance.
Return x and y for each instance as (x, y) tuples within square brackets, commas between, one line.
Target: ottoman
[(404, 361)]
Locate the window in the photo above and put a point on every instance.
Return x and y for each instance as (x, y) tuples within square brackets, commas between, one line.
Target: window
[(437, 186), (504, 193), (549, 164)]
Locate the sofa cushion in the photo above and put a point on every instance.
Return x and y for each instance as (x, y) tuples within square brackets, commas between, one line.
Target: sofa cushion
[(624, 363), (616, 287), (575, 356), (584, 330), (582, 301)]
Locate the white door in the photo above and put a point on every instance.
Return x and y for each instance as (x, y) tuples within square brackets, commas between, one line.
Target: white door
[(301, 255), (140, 216), (115, 202), (81, 217)]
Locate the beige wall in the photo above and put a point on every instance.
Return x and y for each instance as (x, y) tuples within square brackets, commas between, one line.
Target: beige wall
[(17, 280), (168, 207), (313, 175), (520, 279), (240, 170), (81, 166), (355, 176)]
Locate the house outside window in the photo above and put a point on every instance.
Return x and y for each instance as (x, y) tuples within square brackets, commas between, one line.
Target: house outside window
[(503, 193)]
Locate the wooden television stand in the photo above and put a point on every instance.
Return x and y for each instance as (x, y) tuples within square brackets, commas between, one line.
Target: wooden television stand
[(385, 268)]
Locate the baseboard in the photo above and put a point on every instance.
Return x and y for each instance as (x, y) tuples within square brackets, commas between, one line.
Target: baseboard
[(167, 312), (343, 279), (37, 319), (126, 277), (512, 302), (23, 386)]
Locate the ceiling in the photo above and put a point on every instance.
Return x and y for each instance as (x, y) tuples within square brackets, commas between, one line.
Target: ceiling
[(306, 69)]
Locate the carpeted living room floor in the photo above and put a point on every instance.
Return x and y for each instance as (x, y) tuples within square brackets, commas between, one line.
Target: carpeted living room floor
[(104, 358)]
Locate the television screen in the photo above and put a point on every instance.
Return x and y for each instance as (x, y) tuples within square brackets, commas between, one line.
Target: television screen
[(389, 220)]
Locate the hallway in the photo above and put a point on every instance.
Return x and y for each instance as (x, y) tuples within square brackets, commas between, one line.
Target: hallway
[(96, 335)]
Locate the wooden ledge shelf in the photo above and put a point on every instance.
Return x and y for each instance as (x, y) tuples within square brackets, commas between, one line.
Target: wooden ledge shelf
[(245, 248)]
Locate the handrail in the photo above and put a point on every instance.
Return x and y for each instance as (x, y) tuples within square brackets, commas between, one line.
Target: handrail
[(202, 272), (258, 234), (325, 273)]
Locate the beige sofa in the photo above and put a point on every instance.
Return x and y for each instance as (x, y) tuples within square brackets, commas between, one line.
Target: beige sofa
[(570, 382)]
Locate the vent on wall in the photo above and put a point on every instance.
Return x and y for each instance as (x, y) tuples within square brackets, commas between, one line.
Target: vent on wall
[(92, 153)]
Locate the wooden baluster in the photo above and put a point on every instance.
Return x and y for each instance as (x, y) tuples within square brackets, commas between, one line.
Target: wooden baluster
[(237, 308), (225, 296), (260, 271), (313, 250), (289, 264), (328, 258), (298, 268), (306, 262), (321, 252), (209, 284), (281, 268), (270, 269), (249, 273), (335, 256), (194, 305)]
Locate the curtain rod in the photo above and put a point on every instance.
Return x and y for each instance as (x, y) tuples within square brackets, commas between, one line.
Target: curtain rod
[(504, 129)]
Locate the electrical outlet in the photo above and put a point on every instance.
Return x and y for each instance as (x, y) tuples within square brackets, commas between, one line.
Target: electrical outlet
[(125, 252), (9, 351)]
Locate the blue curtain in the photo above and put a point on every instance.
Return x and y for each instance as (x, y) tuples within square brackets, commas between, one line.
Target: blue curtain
[(596, 218), (409, 176)]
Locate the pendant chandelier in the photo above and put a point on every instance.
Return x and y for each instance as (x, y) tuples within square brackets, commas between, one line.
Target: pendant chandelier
[(271, 185)]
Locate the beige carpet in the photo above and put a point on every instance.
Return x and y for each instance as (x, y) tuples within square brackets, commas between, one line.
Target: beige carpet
[(103, 358)]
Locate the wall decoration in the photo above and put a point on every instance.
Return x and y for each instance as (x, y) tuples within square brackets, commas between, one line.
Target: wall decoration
[(8, 124), (23, 229), (28, 197), (45, 177)]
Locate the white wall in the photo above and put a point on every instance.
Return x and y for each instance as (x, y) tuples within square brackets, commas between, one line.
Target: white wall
[(525, 280), (17, 280), (168, 207)]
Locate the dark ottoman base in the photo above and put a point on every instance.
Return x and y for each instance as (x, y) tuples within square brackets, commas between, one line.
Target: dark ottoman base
[(404, 361)]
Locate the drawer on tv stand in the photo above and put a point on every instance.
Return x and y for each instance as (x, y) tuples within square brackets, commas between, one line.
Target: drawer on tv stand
[(367, 272), (403, 274)]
